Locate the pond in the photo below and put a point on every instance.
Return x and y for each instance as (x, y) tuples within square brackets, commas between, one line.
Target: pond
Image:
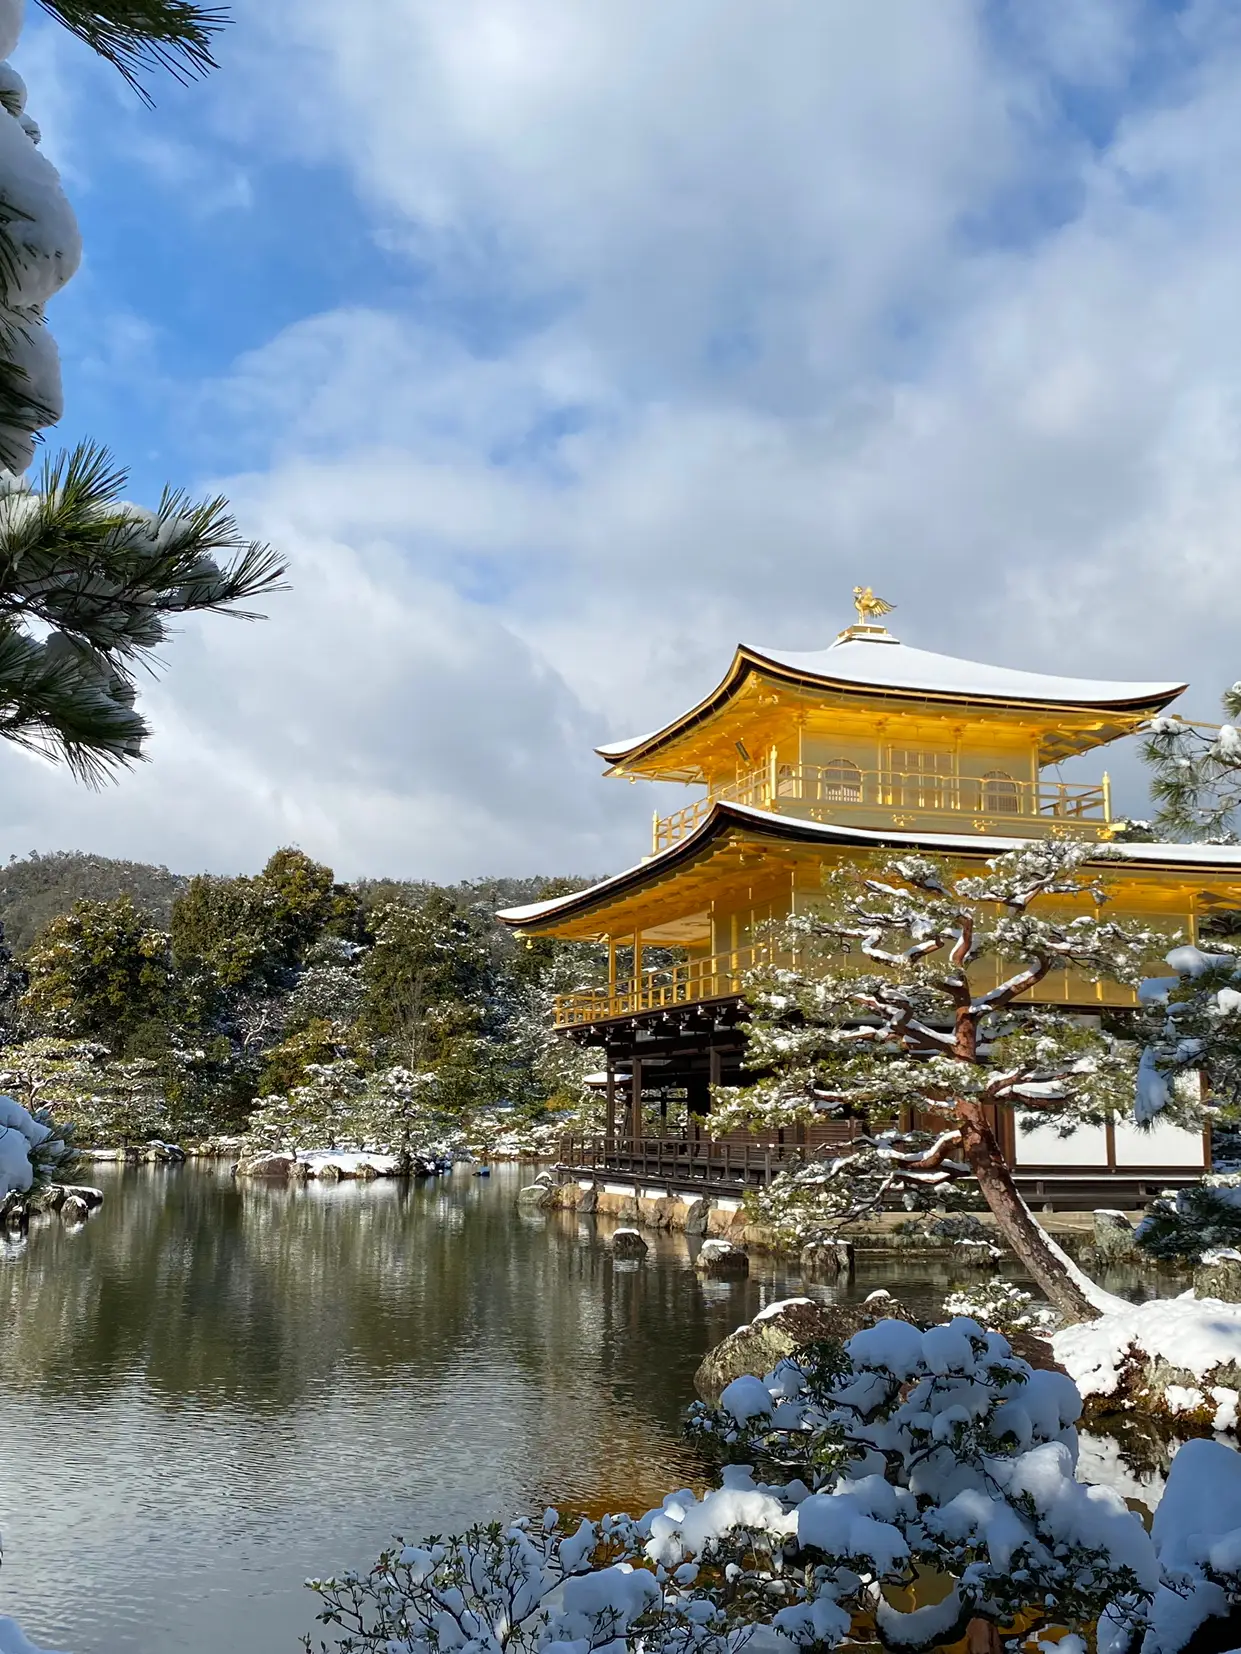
[(213, 1390)]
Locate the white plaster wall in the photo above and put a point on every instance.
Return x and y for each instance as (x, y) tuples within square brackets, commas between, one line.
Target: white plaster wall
[(1044, 1147), (1160, 1146)]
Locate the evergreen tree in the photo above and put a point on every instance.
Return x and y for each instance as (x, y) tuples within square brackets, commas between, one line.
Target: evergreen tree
[(138, 36), (99, 972), (424, 980), (1197, 774), (907, 1024), (1193, 1045), (254, 933)]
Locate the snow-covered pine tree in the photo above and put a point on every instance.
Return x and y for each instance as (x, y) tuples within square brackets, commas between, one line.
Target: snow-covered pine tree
[(1196, 782), (1192, 1029), (910, 991), (87, 582)]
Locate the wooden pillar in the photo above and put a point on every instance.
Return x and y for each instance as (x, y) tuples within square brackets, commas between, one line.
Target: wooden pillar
[(714, 1065), (611, 940), (635, 1103), (609, 1128), (637, 971)]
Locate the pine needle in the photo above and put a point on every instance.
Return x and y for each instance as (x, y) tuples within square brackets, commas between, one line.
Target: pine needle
[(141, 36)]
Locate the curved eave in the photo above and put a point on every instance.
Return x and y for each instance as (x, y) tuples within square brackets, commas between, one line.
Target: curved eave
[(539, 916), (621, 756)]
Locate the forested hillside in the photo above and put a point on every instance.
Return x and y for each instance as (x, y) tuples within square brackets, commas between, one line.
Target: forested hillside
[(142, 1003), (36, 889)]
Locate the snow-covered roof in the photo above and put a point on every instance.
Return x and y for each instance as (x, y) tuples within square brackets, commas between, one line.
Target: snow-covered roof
[(1221, 857), (883, 662), (895, 665)]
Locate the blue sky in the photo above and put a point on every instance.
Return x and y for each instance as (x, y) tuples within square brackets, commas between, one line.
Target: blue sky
[(562, 347)]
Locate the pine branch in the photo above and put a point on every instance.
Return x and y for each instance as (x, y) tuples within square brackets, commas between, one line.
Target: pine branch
[(141, 36), (103, 578)]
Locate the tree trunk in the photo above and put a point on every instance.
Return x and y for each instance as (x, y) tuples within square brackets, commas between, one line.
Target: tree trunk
[(1013, 1218)]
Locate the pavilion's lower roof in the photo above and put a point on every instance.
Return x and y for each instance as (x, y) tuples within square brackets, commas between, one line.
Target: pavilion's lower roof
[(725, 817)]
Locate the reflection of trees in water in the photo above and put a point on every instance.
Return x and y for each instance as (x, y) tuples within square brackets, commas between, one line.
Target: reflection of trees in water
[(267, 1299)]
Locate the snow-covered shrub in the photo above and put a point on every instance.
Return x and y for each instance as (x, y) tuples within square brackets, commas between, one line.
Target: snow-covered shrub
[(1197, 1537), (340, 1107), (32, 1148), (1001, 1306), (110, 1102), (851, 1476), (528, 1586), (1200, 1218)]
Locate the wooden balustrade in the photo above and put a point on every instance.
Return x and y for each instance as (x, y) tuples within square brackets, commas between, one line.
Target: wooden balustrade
[(824, 792)]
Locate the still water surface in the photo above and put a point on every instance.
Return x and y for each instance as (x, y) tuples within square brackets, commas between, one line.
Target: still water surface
[(214, 1390)]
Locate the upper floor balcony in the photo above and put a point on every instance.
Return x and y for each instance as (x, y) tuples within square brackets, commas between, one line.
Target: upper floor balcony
[(993, 803)]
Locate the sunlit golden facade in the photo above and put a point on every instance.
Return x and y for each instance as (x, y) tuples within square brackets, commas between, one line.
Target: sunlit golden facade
[(800, 761)]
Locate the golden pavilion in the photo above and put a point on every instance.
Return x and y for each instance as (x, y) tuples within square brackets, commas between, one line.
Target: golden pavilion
[(801, 760)]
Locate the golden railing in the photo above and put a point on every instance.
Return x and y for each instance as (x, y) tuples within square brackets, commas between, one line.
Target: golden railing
[(823, 792), (723, 975)]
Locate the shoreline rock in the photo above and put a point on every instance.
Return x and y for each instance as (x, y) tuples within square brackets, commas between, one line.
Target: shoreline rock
[(780, 1330), (722, 1257)]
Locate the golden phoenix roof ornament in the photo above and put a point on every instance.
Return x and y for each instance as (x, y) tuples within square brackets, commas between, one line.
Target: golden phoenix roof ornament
[(869, 607)]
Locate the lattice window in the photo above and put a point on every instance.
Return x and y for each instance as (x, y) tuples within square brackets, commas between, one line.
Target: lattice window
[(1000, 794), (842, 782), (922, 780)]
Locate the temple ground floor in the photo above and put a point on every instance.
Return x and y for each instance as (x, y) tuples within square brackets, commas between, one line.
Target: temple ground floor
[(658, 1070)]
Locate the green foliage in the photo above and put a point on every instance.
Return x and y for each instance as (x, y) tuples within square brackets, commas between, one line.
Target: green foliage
[(423, 976), (285, 1065), (247, 932), (98, 972), (339, 1106), (109, 1104), (1196, 779), (289, 987), (1204, 1217)]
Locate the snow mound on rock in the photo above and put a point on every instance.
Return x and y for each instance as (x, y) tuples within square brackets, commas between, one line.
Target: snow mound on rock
[(1195, 1335)]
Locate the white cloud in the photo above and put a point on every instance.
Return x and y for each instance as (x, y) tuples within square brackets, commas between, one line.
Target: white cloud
[(719, 310)]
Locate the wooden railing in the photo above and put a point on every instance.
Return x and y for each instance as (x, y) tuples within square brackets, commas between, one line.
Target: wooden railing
[(723, 975), (822, 792), (715, 976), (684, 1159)]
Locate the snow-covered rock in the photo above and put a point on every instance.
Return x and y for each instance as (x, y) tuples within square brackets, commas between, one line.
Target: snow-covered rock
[(779, 1331), (1115, 1240), (1219, 1275), (1152, 1355), (976, 1254), (265, 1165), (721, 1257), (628, 1243)]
